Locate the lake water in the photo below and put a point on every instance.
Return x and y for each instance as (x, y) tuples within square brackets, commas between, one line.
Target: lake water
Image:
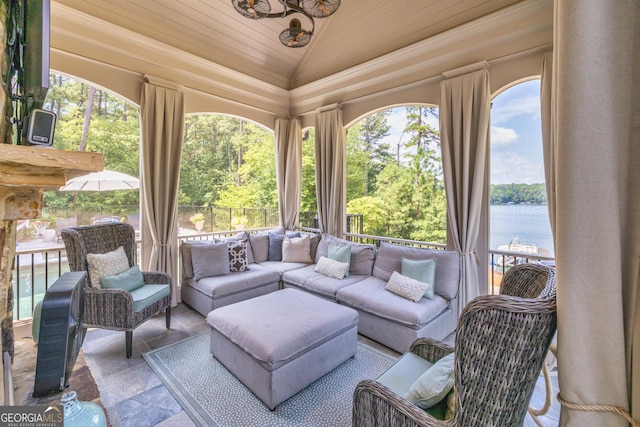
[(528, 223)]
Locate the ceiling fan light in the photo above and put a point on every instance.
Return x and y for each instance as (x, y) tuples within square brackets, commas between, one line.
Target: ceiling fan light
[(319, 8), (295, 36), (253, 9)]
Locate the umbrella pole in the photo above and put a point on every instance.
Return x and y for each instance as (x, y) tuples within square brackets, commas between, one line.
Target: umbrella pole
[(75, 216)]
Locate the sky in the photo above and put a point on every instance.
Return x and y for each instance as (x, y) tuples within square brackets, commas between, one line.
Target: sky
[(516, 139)]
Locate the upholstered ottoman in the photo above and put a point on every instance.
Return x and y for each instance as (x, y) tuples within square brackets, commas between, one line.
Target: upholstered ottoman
[(279, 343)]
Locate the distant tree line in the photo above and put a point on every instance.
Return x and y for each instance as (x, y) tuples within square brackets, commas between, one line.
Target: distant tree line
[(503, 194)]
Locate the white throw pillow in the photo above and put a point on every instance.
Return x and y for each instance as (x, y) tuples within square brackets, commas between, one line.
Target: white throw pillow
[(106, 264), (406, 287), (297, 249), (331, 268)]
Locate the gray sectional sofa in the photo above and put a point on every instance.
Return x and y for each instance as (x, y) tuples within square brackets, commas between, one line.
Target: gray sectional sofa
[(384, 316)]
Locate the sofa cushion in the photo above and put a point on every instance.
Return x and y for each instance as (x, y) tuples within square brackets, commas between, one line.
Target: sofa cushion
[(331, 268), (423, 270), (106, 264), (210, 260), (146, 295), (307, 279), (389, 259), (281, 266), (297, 249), (185, 251), (220, 286), (406, 287), (128, 280), (370, 295), (362, 256)]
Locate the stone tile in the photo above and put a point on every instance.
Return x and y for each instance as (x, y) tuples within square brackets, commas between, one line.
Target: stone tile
[(130, 382), (180, 420), (148, 408), (107, 355)]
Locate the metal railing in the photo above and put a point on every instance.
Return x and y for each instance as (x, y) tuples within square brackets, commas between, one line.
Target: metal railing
[(36, 269)]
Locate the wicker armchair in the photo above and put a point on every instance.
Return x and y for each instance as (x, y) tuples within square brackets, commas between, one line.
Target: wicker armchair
[(501, 343), (534, 281), (529, 281), (112, 308)]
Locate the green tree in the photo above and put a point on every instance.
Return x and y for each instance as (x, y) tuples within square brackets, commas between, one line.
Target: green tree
[(366, 153)]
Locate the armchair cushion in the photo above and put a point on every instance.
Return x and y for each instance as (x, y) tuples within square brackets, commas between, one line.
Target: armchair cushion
[(128, 280), (146, 295), (434, 384), (106, 264)]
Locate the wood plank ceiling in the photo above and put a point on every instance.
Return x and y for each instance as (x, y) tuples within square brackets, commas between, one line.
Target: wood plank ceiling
[(359, 31)]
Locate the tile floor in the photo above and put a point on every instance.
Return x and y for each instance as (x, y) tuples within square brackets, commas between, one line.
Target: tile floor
[(135, 397)]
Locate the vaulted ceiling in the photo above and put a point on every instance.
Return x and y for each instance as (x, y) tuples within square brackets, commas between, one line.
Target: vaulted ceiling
[(360, 31)]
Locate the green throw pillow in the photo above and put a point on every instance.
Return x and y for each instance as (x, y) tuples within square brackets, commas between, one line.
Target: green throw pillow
[(341, 254), (434, 385), (128, 280), (423, 270)]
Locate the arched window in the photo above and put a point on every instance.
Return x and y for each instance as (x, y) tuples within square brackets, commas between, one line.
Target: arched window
[(394, 174), (92, 119), (519, 219), (228, 174)]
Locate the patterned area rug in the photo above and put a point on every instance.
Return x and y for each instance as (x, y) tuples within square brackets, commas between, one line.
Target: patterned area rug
[(212, 396)]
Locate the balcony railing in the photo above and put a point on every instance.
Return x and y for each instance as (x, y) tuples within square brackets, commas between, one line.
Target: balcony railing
[(36, 269)]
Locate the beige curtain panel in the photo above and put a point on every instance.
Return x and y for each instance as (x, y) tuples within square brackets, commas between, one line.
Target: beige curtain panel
[(464, 134), (331, 184), (162, 129), (288, 137), (547, 119), (596, 61)]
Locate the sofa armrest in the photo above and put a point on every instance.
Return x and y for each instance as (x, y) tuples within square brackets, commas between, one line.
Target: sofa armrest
[(376, 405), (430, 349)]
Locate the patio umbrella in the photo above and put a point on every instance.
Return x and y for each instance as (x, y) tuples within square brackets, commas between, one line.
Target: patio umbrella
[(105, 180), (102, 181)]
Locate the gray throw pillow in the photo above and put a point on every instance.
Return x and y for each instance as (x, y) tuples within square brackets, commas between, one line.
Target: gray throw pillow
[(210, 260), (259, 246), (187, 263), (275, 247)]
